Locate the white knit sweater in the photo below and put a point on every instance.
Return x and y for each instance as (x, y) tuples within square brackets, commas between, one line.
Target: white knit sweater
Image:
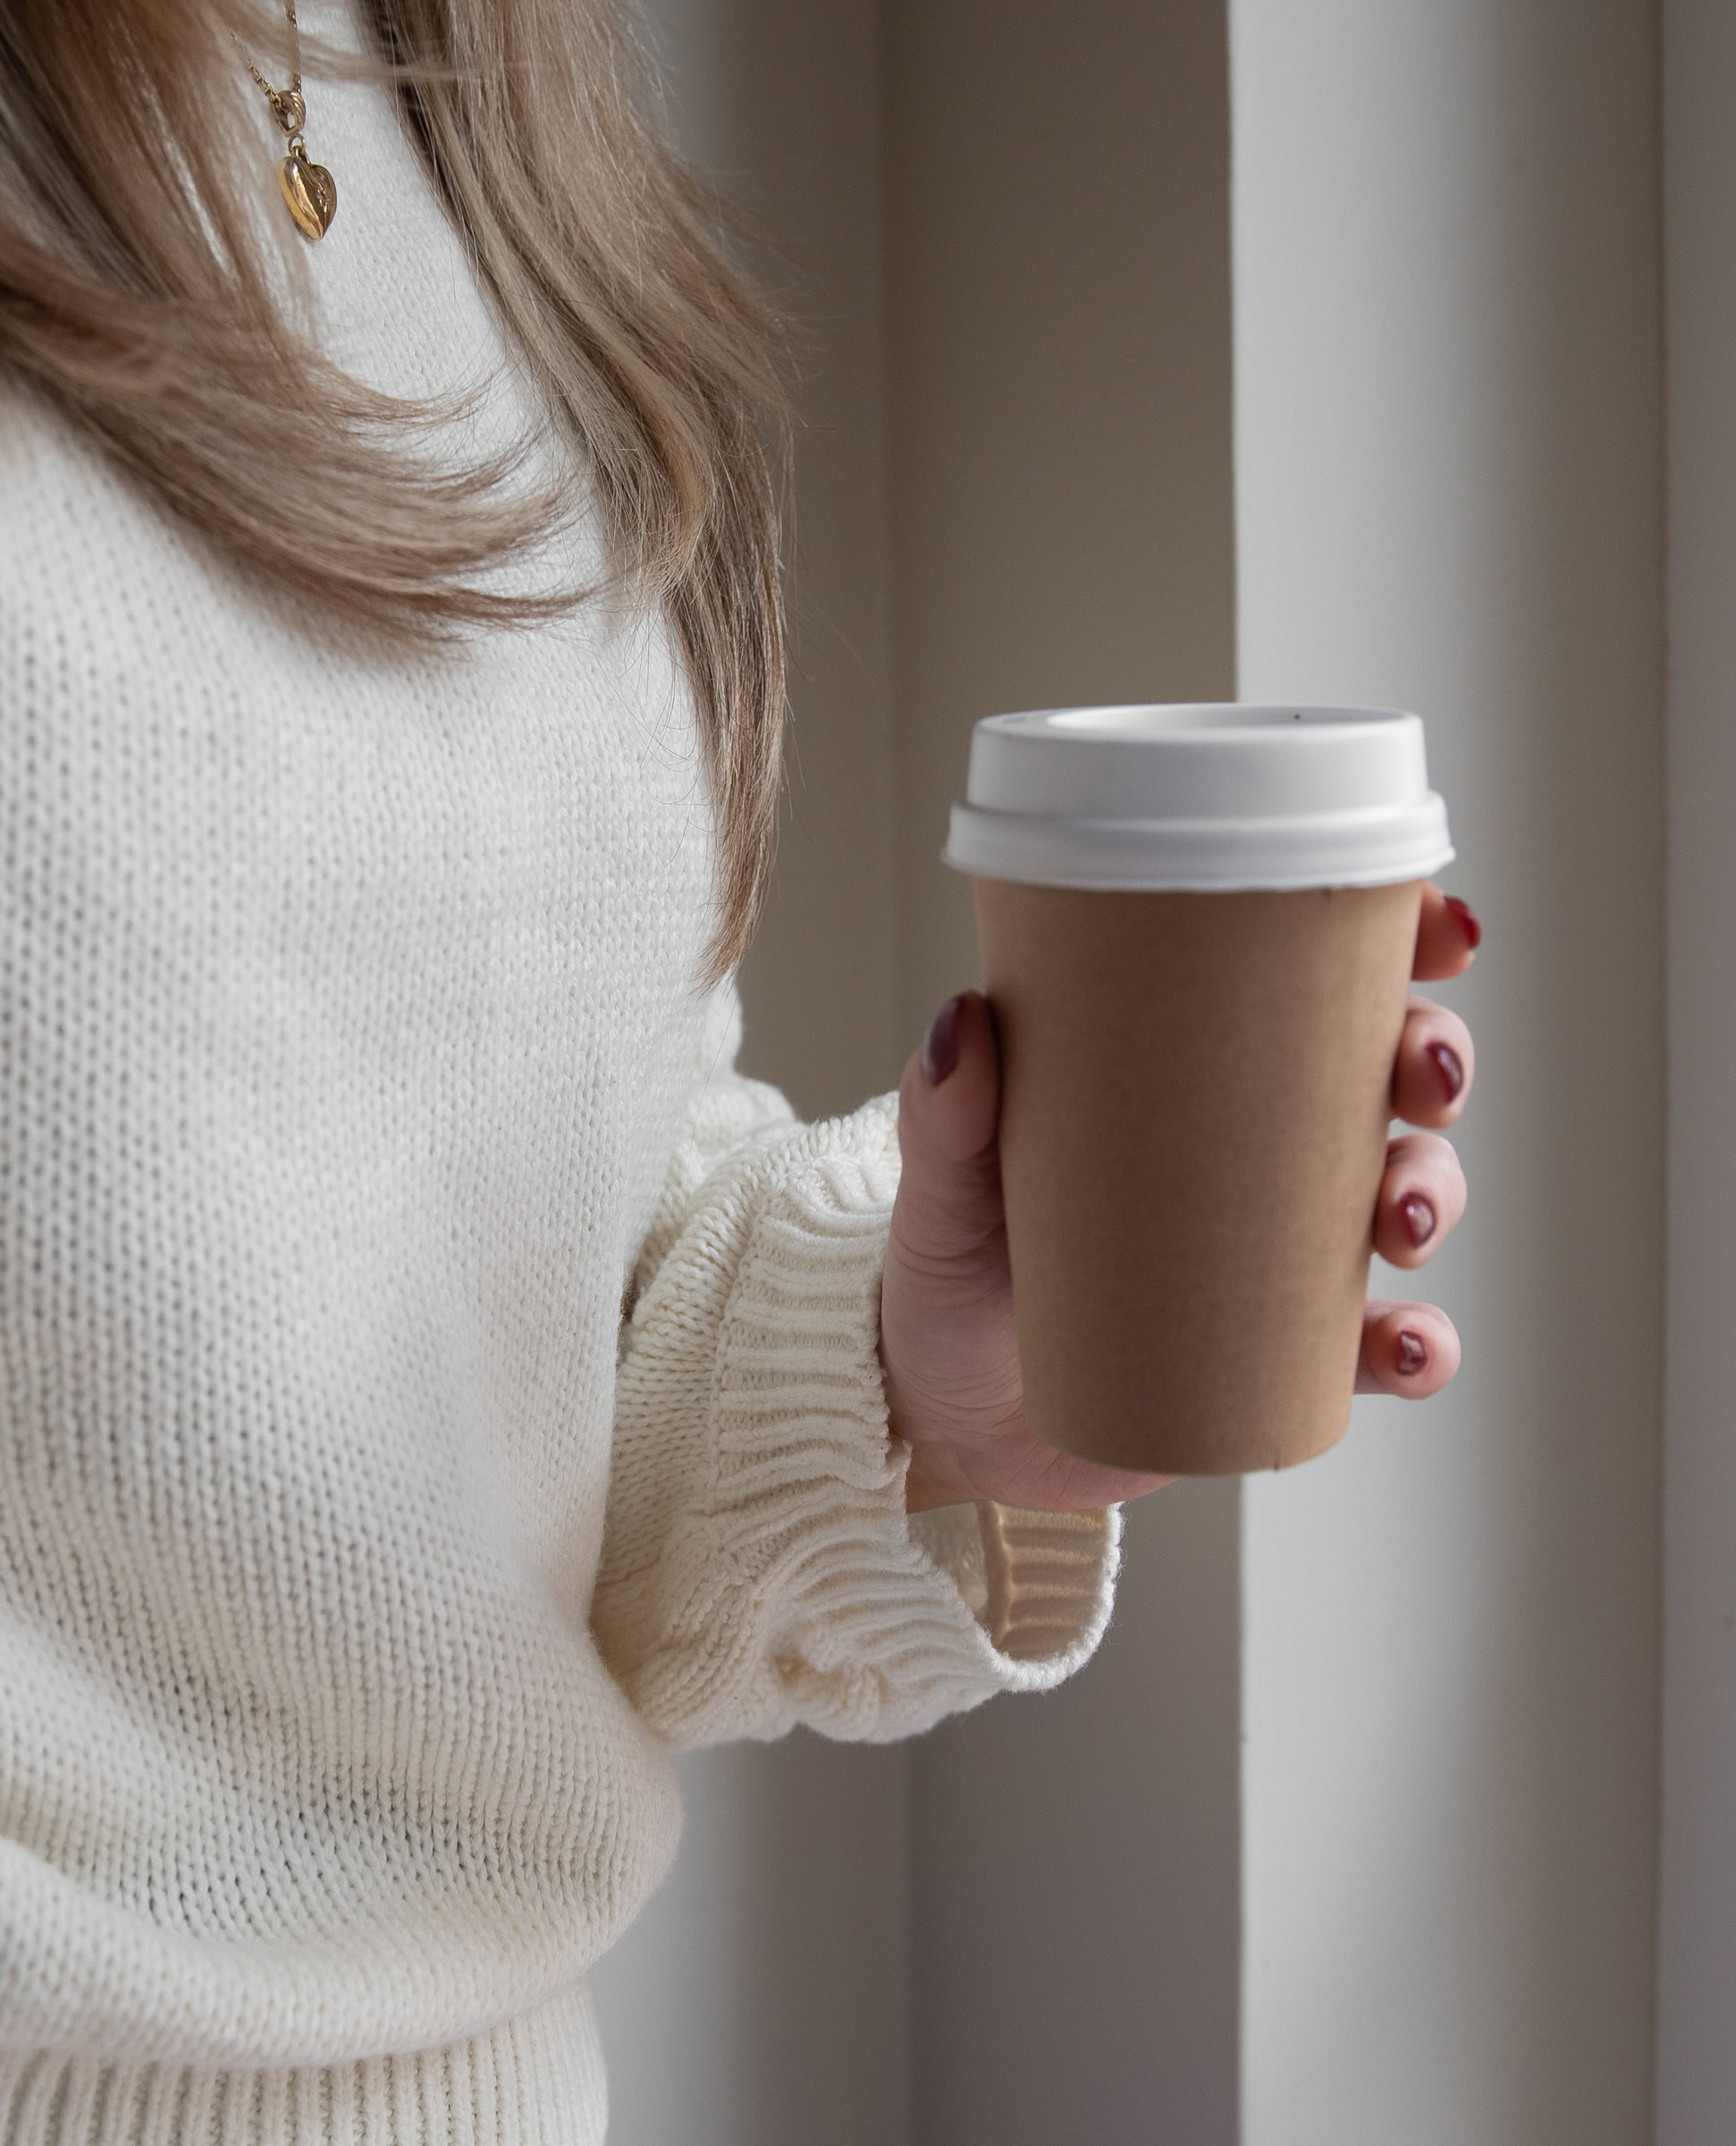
[(358, 1567)]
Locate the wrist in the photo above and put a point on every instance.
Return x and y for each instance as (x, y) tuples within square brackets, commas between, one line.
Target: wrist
[(925, 1493)]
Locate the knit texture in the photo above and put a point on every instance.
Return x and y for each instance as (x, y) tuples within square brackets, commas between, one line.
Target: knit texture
[(434, 1385)]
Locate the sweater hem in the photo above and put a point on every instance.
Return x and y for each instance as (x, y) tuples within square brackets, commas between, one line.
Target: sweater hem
[(535, 2081)]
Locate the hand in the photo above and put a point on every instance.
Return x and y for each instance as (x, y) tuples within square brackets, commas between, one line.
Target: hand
[(948, 1345)]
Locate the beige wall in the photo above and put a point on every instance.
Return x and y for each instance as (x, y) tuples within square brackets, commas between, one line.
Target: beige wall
[(760, 1999), (1059, 276), (1045, 399), (1349, 1835), (1697, 2051), (1059, 390), (778, 102)]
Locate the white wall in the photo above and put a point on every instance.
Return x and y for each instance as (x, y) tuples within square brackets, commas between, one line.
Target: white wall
[(1697, 2050), (1448, 499)]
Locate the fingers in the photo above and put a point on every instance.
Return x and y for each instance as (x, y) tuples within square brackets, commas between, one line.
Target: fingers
[(950, 1202), (1408, 1350), (1432, 1075), (948, 1106), (1422, 1196), (1447, 936)]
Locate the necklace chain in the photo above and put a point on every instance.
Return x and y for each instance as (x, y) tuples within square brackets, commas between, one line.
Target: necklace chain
[(310, 193), (287, 104)]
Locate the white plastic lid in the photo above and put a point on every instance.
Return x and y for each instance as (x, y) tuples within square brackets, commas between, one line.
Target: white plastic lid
[(1200, 796)]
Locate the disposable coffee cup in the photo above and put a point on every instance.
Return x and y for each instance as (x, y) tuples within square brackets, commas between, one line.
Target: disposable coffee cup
[(1197, 926)]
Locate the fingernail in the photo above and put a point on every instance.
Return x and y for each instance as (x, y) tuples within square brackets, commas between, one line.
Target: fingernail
[(1412, 1354), (1447, 1065), (940, 1044), (1419, 1218), (1465, 917)]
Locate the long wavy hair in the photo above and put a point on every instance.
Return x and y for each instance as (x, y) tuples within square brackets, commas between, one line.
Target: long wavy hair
[(137, 293)]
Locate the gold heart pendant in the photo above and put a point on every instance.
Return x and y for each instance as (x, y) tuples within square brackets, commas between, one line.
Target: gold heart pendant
[(310, 193)]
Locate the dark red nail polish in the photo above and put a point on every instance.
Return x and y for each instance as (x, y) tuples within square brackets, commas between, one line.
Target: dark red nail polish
[(1447, 1065), (1465, 917), (1417, 1216), (940, 1044), (1412, 1354)]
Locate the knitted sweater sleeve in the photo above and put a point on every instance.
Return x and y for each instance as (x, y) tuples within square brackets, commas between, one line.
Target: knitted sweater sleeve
[(759, 1570)]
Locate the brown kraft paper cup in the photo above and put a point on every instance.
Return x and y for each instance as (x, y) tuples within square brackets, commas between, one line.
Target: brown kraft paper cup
[(1195, 1104)]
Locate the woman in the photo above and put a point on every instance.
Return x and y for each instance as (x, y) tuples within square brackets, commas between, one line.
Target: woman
[(435, 1385)]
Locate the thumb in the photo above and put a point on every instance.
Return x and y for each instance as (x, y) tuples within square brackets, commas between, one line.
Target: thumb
[(949, 1203)]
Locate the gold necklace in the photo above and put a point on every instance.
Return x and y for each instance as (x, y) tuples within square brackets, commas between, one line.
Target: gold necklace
[(310, 192)]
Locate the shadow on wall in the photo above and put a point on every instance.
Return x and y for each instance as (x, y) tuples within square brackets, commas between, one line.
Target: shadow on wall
[(1008, 223)]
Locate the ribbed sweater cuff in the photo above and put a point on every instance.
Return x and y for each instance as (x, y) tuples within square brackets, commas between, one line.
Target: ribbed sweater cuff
[(880, 1626)]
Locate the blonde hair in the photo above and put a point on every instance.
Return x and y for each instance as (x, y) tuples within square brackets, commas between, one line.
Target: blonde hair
[(134, 295)]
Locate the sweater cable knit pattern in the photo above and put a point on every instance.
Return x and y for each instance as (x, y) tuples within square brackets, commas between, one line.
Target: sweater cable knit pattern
[(361, 1560)]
